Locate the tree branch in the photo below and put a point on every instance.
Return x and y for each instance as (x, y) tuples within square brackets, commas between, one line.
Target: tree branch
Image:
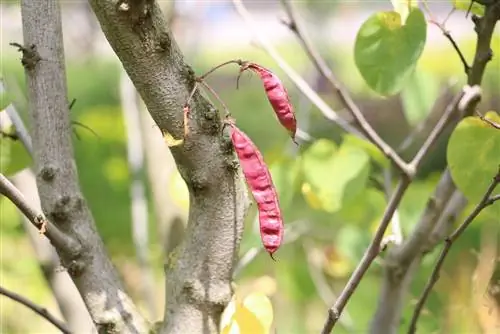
[(65, 293), (296, 27), (58, 238), (370, 254), (199, 275), (35, 308), (409, 254), (485, 201), (296, 79), (57, 178), (463, 99)]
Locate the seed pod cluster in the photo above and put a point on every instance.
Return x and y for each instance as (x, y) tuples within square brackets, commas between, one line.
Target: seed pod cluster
[(259, 181), (277, 96)]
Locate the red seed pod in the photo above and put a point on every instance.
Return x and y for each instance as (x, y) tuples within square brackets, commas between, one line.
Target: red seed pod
[(278, 97), (261, 185)]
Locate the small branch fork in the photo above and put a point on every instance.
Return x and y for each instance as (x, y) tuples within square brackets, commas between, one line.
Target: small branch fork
[(447, 34), (465, 99), (37, 309), (461, 102), (487, 200)]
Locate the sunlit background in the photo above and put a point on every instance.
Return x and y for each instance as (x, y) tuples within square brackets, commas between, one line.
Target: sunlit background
[(323, 247)]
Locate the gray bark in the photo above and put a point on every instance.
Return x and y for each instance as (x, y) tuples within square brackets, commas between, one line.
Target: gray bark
[(65, 293), (57, 179), (199, 279)]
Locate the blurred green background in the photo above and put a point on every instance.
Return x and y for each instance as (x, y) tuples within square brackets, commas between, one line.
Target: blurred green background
[(333, 242)]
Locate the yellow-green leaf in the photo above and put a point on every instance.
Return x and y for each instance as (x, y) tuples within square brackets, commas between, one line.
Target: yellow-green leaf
[(473, 156)]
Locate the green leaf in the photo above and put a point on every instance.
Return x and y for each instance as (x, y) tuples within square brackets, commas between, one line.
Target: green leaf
[(335, 175), (368, 147), (13, 156), (473, 156), (418, 96), (464, 5), (386, 50), (4, 100)]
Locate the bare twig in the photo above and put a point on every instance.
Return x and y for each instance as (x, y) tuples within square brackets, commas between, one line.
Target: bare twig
[(214, 93), (370, 254), (401, 259), (297, 80), (21, 131), (35, 308), (490, 122), (447, 34), (234, 61), (485, 202), (295, 25), (68, 298), (58, 238)]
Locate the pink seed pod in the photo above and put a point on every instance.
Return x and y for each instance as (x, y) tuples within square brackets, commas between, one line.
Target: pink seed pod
[(261, 185), (277, 95)]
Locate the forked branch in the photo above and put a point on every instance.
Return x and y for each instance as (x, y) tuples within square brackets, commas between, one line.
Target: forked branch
[(295, 25), (486, 201)]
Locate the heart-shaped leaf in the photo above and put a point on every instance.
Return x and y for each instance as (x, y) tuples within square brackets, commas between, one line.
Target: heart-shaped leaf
[(387, 50), (474, 157)]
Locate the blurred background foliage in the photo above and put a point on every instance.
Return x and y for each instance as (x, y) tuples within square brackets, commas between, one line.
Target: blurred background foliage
[(333, 228)]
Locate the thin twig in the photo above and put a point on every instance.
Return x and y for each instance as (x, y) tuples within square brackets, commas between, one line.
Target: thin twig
[(214, 93), (296, 26), (485, 201), (370, 254), (20, 130), (462, 101), (35, 308), (490, 122), (296, 79), (58, 238), (234, 61), (447, 34)]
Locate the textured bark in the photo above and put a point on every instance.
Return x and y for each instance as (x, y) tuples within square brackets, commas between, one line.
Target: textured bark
[(57, 179), (65, 293), (199, 279)]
